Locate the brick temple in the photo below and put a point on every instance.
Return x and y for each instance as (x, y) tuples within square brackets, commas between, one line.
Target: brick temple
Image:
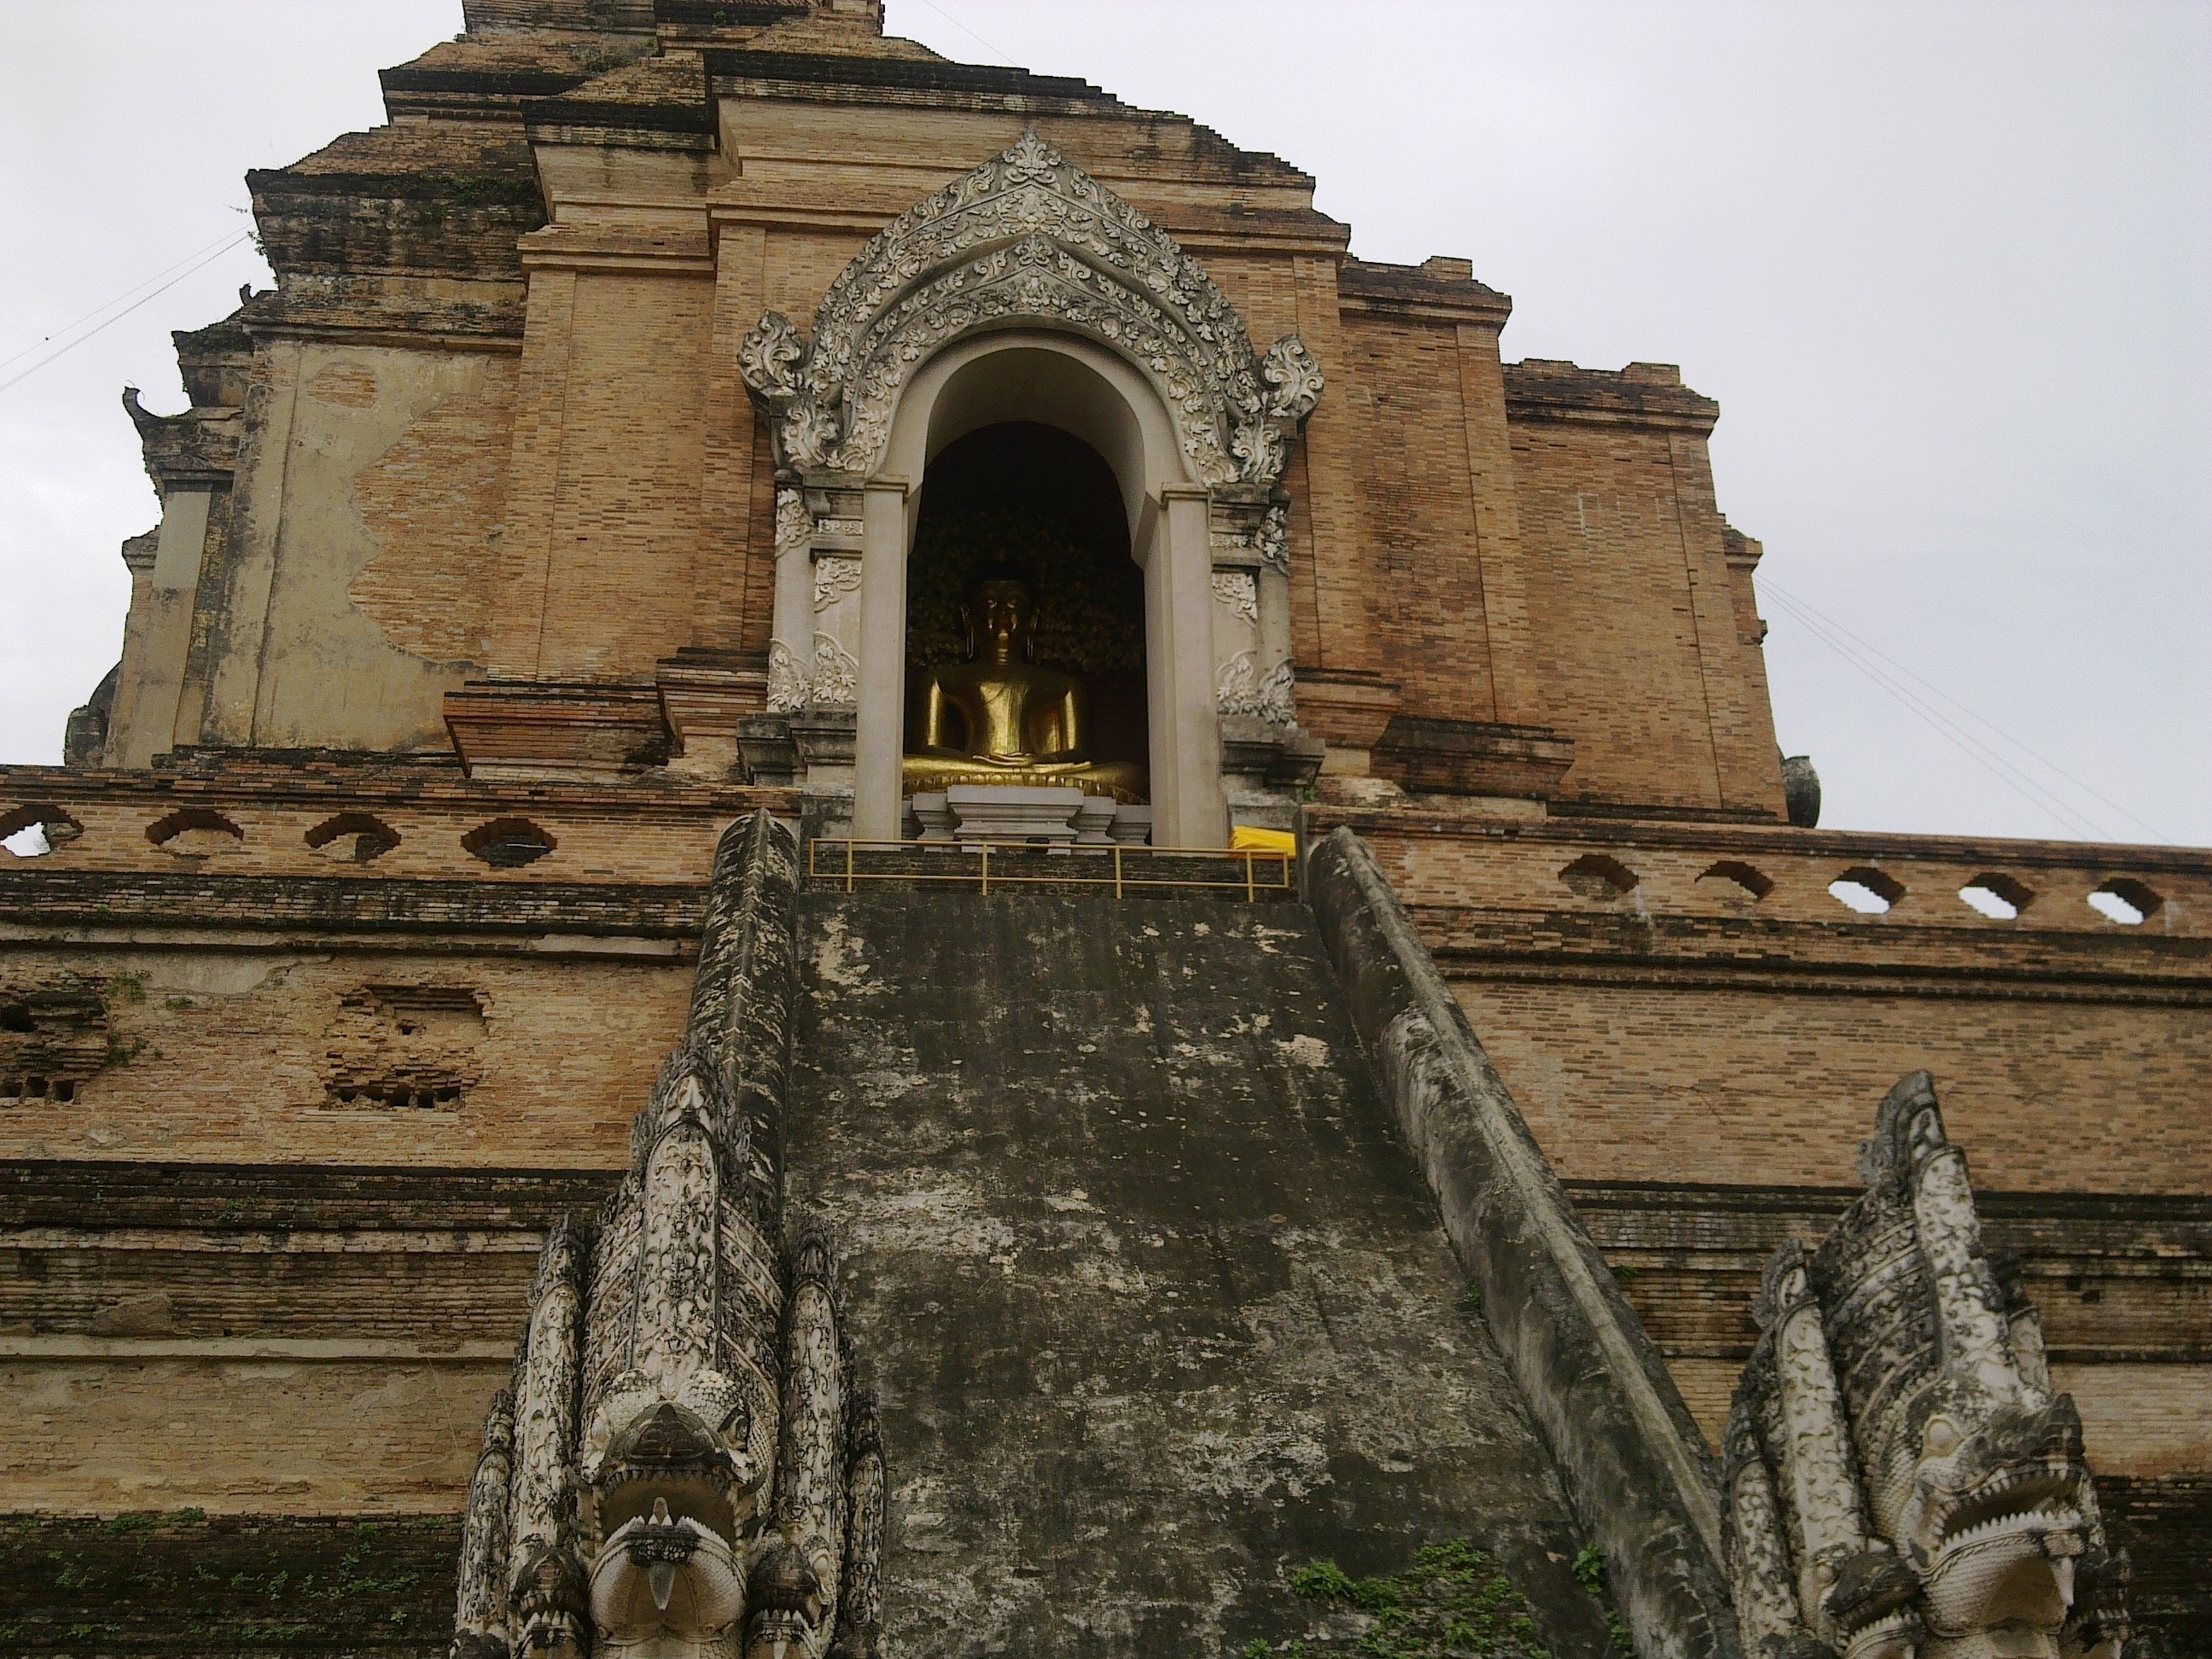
[(685, 425)]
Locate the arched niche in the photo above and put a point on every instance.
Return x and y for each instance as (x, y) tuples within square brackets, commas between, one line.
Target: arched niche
[(1027, 290), (1064, 381)]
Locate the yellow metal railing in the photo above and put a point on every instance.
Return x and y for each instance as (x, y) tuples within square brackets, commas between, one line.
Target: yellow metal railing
[(1253, 871)]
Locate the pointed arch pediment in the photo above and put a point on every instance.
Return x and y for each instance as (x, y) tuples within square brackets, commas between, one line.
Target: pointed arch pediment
[(1027, 239)]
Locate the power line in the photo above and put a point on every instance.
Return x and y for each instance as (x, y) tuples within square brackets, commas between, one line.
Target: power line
[(2071, 820), (227, 238), (980, 39), (1971, 713), (72, 345)]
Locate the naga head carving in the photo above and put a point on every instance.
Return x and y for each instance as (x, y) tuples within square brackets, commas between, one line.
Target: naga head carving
[(680, 1428), (551, 1606), (1908, 1131), (1900, 1476), (660, 1576)]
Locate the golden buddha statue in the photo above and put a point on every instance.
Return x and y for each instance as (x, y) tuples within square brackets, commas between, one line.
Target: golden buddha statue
[(1020, 723)]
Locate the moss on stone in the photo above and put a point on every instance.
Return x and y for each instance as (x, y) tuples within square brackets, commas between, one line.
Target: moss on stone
[(1454, 1599)]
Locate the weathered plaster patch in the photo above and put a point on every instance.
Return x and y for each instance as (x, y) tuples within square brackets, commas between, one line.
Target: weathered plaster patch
[(837, 959)]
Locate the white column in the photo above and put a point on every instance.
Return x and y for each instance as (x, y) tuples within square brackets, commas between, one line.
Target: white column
[(791, 629), (1274, 585), (1187, 808), (166, 632), (879, 738)]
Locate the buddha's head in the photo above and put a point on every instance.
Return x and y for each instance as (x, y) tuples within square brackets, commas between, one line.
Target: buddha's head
[(1000, 614)]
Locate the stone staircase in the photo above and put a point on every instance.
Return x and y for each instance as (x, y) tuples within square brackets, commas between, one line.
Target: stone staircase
[(1157, 1304)]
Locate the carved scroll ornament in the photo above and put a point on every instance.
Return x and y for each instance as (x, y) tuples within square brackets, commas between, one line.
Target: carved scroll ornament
[(786, 680), (1238, 592), (1240, 689), (1027, 238), (834, 578)]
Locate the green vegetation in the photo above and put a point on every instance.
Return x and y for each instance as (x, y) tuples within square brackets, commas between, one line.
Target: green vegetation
[(147, 1583), (481, 189), (1589, 1569), (1454, 1599)]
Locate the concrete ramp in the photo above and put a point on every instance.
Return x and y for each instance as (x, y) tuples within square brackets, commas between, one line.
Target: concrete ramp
[(1157, 1305)]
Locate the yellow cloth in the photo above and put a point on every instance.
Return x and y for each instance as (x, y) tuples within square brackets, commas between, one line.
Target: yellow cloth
[(1246, 839)]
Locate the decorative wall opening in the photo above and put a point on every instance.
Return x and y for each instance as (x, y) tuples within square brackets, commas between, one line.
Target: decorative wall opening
[(1999, 897), (32, 832), (1596, 876), (2126, 901), (508, 843), (1026, 497), (352, 838), (193, 832), (1866, 891), (1734, 881)]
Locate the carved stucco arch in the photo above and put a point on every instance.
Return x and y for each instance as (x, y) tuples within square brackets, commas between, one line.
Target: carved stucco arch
[(1027, 239), (1029, 248)]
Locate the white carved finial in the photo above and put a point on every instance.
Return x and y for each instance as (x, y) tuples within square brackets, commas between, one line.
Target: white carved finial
[(1293, 377), (1030, 154), (768, 358)]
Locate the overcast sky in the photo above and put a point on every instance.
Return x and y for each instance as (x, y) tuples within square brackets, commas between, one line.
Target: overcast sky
[(1946, 267)]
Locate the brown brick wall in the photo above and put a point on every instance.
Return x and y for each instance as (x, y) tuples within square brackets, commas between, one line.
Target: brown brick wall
[(626, 513), (434, 502), (227, 1055), (1683, 1024), (289, 1435), (1641, 1083), (1420, 515), (1613, 612)]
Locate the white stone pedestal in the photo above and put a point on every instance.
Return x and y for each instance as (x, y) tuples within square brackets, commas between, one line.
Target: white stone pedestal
[(1014, 812), (932, 813), (1094, 821), (1131, 825)]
